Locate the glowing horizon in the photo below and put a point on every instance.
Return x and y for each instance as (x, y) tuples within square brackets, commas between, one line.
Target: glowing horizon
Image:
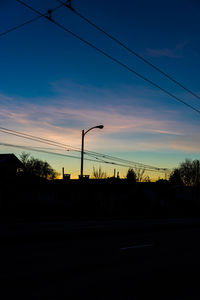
[(53, 86)]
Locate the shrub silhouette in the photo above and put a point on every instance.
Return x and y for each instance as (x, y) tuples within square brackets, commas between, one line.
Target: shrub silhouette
[(131, 176), (175, 177)]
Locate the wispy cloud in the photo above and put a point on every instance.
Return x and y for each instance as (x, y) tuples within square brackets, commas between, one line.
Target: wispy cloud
[(126, 127), (181, 45), (122, 118), (162, 53), (167, 52)]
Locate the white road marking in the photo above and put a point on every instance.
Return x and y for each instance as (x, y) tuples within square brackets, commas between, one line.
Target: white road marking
[(136, 246)]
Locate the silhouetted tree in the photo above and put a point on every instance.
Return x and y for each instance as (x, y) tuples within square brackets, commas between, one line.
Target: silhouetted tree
[(139, 174), (98, 173), (175, 177), (190, 172), (37, 167), (131, 176)]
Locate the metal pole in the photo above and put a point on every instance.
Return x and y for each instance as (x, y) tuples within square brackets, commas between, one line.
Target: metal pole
[(82, 152)]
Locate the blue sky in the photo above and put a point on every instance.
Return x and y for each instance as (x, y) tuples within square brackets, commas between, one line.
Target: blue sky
[(53, 86)]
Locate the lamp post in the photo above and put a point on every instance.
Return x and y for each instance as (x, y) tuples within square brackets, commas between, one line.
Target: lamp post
[(82, 147)]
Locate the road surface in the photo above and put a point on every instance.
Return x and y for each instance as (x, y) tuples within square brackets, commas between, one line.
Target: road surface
[(161, 263)]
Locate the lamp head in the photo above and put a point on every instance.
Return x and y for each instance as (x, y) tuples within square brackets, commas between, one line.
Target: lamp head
[(100, 126)]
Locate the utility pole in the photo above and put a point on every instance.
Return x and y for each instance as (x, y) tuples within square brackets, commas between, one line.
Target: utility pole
[(82, 146), (82, 152)]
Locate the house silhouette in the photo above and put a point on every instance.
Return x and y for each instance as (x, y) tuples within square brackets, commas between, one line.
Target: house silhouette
[(9, 166)]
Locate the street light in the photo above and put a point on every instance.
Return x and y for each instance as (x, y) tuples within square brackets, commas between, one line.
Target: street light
[(82, 148)]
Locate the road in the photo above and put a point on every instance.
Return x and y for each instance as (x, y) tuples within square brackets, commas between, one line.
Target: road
[(159, 263)]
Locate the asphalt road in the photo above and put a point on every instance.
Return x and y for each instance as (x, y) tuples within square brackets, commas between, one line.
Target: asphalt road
[(157, 263)]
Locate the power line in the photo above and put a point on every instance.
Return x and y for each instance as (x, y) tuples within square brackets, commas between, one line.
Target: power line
[(111, 58), (127, 162), (136, 165), (30, 138), (129, 49), (45, 141), (42, 151), (27, 22), (120, 162), (20, 25), (37, 139), (74, 157)]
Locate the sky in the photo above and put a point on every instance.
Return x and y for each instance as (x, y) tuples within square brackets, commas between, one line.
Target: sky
[(53, 85)]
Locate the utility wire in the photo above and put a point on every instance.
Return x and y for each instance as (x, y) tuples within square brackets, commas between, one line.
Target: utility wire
[(111, 57), (2, 129), (127, 162), (35, 138), (30, 138), (106, 156), (27, 22), (43, 151), (128, 49), (154, 169), (121, 162), (20, 25), (72, 156), (48, 152)]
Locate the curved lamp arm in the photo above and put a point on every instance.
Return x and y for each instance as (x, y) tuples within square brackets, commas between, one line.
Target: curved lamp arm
[(99, 126)]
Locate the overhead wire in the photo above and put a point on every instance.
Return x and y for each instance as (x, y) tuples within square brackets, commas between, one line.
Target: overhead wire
[(74, 157), (30, 138), (50, 142), (42, 151), (106, 156), (128, 48), (20, 25), (45, 141), (129, 163), (153, 169), (103, 157), (27, 22), (111, 57), (35, 138)]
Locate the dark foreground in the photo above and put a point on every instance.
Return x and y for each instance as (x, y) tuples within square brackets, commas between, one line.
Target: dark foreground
[(86, 261)]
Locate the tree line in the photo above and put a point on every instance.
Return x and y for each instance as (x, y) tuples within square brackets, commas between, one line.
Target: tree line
[(187, 173)]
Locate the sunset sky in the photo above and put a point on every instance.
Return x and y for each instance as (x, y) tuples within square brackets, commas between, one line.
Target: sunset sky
[(53, 85)]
